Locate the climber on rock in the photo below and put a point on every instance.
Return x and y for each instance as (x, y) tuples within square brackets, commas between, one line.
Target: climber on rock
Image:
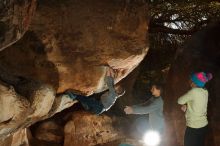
[(107, 99)]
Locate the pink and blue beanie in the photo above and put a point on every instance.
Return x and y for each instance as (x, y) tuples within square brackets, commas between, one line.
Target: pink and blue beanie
[(201, 78)]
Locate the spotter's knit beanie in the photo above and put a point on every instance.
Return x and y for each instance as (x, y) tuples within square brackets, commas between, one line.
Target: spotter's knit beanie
[(201, 78)]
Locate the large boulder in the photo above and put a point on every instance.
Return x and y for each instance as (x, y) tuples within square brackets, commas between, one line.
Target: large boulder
[(70, 42), (89, 130), (68, 47), (49, 131), (19, 138), (18, 112), (15, 18)]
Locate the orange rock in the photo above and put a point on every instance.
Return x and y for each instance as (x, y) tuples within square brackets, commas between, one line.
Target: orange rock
[(70, 42), (49, 131), (88, 129), (21, 137), (15, 18)]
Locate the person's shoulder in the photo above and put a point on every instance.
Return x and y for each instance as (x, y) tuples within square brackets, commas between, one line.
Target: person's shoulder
[(198, 90), (193, 91), (161, 98), (158, 99)]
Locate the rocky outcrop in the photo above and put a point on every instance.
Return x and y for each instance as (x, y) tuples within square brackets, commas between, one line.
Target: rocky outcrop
[(68, 46), (15, 18), (19, 138), (49, 131), (19, 112), (89, 130)]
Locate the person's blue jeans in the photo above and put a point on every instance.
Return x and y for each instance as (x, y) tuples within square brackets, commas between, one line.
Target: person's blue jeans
[(89, 104)]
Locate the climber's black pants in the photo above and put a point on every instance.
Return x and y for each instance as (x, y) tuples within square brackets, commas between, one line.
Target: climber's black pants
[(195, 136)]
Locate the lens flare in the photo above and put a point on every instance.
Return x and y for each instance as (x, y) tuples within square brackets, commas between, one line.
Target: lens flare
[(152, 138)]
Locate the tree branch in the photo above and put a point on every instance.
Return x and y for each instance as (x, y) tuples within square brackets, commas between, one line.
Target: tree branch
[(165, 29), (155, 28)]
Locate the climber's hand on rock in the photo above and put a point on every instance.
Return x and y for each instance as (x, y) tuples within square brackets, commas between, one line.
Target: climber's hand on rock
[(110, 72)]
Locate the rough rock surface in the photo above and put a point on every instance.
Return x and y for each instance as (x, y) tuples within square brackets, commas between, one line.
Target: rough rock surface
[(49, 131), (69, 43), (67, 47), (19, 112), (15, 18), (19, 138), (89, 130)]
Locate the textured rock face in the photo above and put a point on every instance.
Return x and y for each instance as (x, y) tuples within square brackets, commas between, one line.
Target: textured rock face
[(70, 42), (14, 103), (200, 53), (87, 129), (20, 138), (50, 132), (18, 112), (67, 47), (15, 17)]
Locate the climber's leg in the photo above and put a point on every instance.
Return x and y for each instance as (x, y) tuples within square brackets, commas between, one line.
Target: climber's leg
[(90, 104)]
